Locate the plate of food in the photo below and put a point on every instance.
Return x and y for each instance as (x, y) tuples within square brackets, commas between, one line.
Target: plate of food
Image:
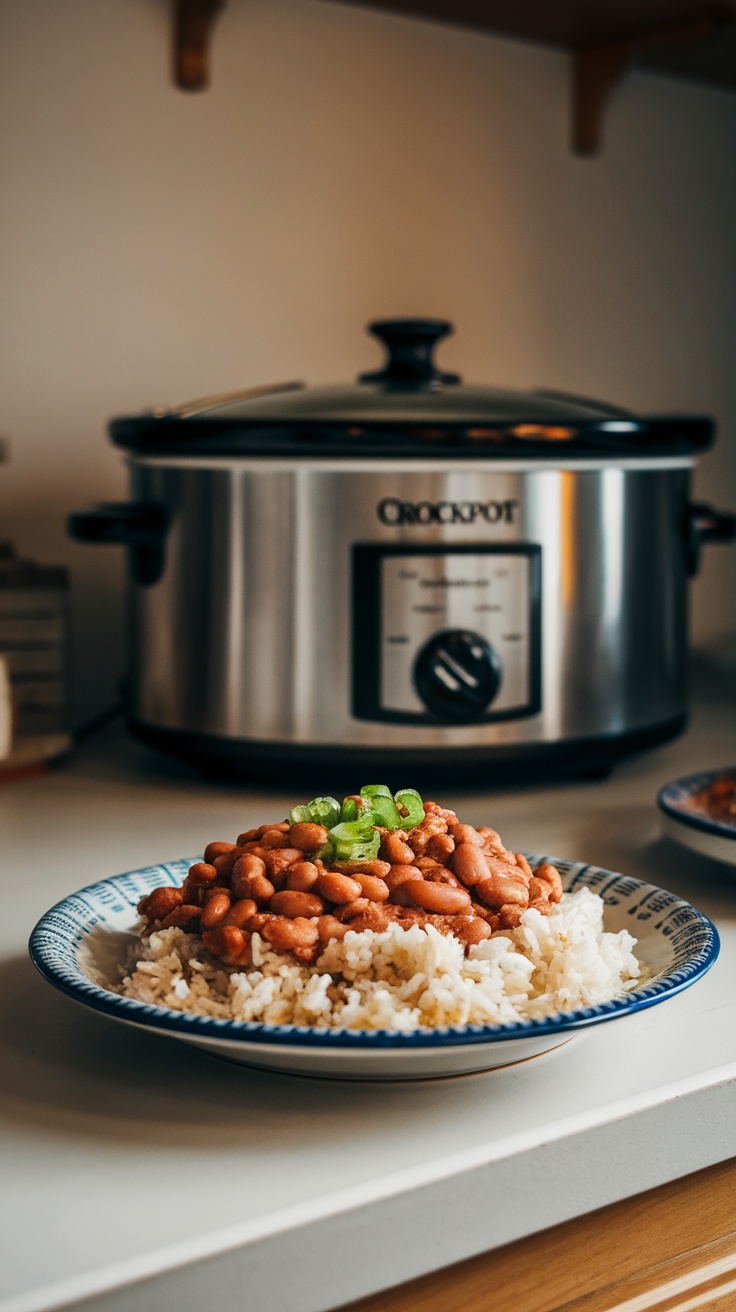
[(380, 937), (699, 811)]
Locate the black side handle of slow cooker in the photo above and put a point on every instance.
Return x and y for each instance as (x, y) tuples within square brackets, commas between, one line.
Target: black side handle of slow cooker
[(140, 526), (706, 524)]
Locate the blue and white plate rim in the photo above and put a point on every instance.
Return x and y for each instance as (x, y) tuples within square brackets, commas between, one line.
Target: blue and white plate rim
[(673, 798), (59, 933)]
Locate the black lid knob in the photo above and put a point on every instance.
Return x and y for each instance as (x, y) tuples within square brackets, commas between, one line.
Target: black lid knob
[(410, 343)]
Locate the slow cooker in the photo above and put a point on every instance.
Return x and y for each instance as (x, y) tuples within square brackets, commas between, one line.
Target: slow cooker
[(408, 577)]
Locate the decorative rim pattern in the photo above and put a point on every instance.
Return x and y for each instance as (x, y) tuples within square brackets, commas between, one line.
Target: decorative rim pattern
[(674, 800), (57, 938)]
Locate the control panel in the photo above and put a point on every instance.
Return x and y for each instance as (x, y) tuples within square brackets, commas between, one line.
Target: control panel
[(446, 633)]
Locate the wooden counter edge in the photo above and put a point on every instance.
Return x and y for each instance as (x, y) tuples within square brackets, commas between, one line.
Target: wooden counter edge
[(668, 1248)]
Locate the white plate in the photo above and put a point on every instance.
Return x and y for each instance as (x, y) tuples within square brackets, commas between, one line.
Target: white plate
[(676, 943), (693, 829)]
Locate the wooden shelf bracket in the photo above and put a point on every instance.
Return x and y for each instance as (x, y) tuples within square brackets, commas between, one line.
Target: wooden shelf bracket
[(600, 65), (193, 22)]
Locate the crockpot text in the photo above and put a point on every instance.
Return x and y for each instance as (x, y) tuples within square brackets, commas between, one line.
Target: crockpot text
[(392, 511)]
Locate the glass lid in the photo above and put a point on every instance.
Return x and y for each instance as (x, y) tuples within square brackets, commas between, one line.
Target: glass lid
[(408, 407)]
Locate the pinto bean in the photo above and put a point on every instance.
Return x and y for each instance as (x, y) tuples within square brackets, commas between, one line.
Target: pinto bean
[(401, 875), (485, 913), (210, 891), (365, 914), (247, 868), (302, 876), (202, 872), (438, 898), (470, 864), (329, 927), (436, 873), (471, 929), (440, 846), (257, 922), (307, 837), (290, 935), (338, 888), (200, 875), (160, 902), (550, 875), (248, 836), (216, 909), (539, 890), (184, 917), (491, 840), (255, 835), (241, 912), (504, 864), (213, 850), (253, 849), (279, 860), (509, 915), (499, 890), (261, 889), (229, 943), (379, 869), (375, 889), (466, 834), (540, 904), (523, 864), (224, 864), (394, 848), (402, 895), (296, 905), (275, 837)]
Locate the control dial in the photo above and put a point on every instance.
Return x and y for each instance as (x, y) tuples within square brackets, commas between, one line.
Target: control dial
[(457, 674)]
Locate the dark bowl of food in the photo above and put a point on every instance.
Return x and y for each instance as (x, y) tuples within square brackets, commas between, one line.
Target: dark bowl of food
[(699, 811)]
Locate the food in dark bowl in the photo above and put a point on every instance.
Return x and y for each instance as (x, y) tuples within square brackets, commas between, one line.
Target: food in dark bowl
[(718, 799), (699, 811)]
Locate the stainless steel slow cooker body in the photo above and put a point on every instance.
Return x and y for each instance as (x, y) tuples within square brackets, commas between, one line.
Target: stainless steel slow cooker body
[(357, 579)]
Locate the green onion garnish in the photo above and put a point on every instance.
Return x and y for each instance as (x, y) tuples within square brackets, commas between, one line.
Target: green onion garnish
[(353, 827), (409, 799)]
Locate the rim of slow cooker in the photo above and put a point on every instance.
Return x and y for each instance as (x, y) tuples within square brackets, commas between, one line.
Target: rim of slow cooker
[(169, 435)]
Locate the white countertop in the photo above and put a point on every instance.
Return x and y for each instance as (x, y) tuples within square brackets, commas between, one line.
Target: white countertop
[(127, 1157)]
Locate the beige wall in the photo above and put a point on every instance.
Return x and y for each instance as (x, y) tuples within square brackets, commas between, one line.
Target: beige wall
[(344, 165)]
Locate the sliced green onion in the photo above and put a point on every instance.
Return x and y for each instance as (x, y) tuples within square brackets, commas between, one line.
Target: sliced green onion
[(352, 831), (355, 840), (324, 811), (409, 799), (376, 790), (382, 806), (320, 811), (367, 851)]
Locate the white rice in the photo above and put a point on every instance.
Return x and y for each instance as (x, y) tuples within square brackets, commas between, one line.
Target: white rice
[(399, 979)]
